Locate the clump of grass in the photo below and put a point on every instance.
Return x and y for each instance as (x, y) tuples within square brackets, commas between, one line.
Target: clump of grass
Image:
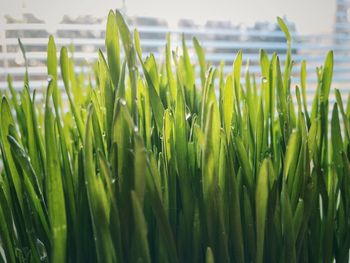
[(150, 166)]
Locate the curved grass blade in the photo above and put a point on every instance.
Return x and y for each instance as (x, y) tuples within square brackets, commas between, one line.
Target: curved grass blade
[(228, 106), (201, 59), (65, 71), (284, 28), (6, 120)]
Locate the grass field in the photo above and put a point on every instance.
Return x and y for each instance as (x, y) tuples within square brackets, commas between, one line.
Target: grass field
[(150, 165)]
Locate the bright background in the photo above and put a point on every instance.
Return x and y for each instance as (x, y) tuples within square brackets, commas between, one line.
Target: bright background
[(309, 16)]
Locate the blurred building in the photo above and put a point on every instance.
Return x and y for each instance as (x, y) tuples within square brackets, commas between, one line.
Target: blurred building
[(221, 41), (341, 41), (342, 17)]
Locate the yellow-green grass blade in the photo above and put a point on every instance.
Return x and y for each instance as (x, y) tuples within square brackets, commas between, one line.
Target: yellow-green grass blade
[(303, 90), (139, 250), (284, 28), (140, 167), (209, 258), (245, 163), (26, 76), (228, 107), (113, 48), (107, 95), (261, 202), (65, 71), (343, 114), (31, 182), (327, 77), (188, 75), (156, 103), (201, 59), (97, 198), (169, 71), (6, 234), (6, 120), (237, 65)]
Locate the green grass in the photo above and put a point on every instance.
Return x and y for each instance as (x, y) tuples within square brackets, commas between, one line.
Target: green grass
[(151, 165)]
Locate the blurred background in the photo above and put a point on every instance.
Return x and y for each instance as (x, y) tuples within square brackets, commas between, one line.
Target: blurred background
[(222, 26)]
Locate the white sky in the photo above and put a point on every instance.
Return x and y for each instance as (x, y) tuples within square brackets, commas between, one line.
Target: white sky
[(310, 16)]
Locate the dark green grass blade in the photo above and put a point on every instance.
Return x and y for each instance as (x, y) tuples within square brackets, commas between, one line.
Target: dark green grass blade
[(54, 187)]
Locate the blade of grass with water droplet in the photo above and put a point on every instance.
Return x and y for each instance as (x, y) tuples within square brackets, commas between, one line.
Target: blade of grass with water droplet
[(131, 60), (33, 149), (156, 103), (31, 183), (65, 71), (107, 96), (6, 120)]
